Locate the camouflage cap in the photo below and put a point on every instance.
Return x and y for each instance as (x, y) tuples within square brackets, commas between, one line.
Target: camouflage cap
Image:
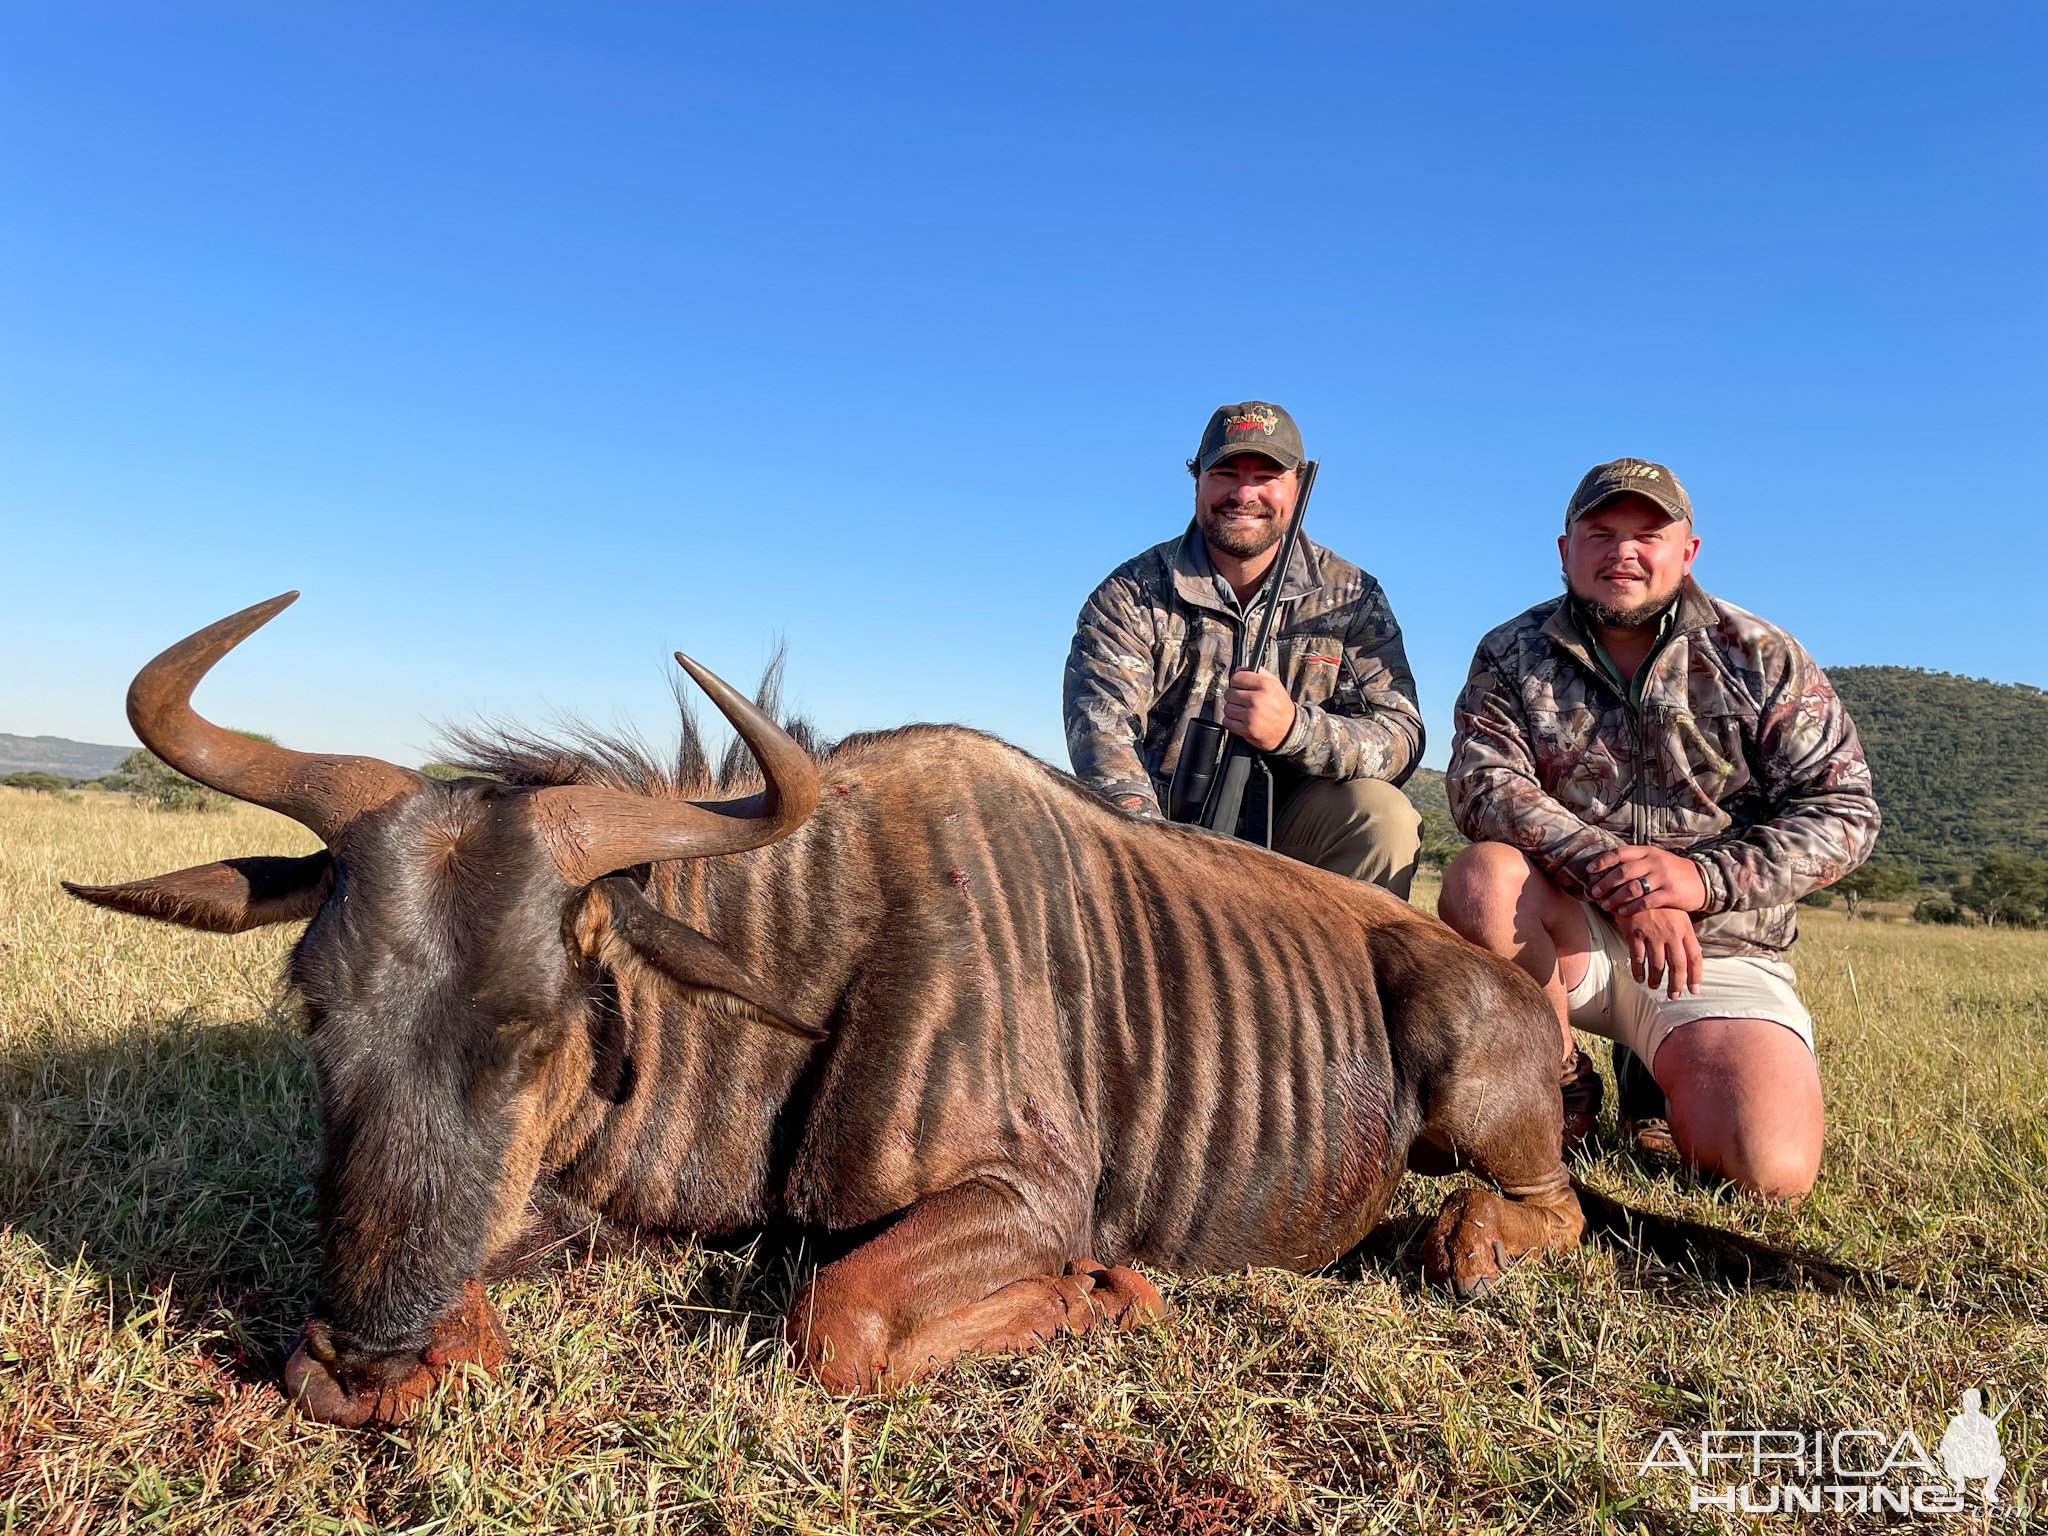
[(1629, 477), (1250, 426)]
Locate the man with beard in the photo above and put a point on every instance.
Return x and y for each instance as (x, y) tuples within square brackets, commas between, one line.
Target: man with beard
[(1651, 777), (1165, 640)]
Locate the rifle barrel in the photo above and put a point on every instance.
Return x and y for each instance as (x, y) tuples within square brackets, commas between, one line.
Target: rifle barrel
[(1226, 799)]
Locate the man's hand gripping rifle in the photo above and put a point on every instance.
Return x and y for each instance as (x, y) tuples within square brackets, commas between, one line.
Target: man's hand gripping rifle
[(1217, 767)]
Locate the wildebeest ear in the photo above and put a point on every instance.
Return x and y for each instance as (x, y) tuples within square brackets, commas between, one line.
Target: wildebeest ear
[(690, 959), (229, 897)]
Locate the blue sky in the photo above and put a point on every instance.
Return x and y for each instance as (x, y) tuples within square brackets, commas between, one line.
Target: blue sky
[(536, 341)]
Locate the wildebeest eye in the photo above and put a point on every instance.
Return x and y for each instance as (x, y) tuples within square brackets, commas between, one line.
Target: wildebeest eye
[(527, 1043)]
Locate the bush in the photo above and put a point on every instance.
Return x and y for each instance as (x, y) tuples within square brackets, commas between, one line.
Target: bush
[(42, 783), (1937, 909), (1821, 899), (1875, 882)]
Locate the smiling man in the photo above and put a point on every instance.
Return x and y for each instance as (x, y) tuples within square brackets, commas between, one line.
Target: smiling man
[(1165, 640), (1651, 778)]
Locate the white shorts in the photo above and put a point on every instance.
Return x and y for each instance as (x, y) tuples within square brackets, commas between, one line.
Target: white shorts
[(1609, 1001)]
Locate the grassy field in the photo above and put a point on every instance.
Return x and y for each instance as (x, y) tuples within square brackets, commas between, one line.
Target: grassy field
[(157, 1243)]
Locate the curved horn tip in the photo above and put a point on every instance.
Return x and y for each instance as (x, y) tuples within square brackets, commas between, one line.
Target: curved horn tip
[(237, 626), (271, 607), (711, 682), (180, 665)]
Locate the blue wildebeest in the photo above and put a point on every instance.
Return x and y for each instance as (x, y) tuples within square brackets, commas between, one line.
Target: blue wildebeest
[(922, 986)]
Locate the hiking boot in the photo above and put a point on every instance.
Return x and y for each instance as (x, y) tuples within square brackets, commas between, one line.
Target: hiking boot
[(1650, 1139), (1582, 1089), (1645, 1126)]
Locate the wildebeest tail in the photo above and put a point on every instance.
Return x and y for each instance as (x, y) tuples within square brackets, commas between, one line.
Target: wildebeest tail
[(1716, 1251)]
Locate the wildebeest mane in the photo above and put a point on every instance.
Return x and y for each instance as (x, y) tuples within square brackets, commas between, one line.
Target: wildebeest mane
[(578, 752)]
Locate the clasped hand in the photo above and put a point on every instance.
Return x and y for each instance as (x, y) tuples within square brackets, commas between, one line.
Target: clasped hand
[(1651, 895), (1258, 708)]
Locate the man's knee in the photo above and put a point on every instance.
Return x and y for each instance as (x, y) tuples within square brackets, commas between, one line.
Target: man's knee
[(1745, 1104), (1381, 812), (1773, 1156), (1483, 885), (1769, 1167)]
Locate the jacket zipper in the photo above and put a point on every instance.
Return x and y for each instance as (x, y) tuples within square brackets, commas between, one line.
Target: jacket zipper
[(1638, 809), (1639, 812)]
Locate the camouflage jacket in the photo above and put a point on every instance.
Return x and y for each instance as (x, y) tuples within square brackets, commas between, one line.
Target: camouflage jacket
[(1156, 644), (1740, 756)]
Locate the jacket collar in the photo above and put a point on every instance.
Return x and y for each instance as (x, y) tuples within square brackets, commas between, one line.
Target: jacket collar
[(1695, 612), (1196, 580)]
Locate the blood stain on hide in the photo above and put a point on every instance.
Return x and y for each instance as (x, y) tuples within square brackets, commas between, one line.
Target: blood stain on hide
[(958, 876), (1046, 1131)]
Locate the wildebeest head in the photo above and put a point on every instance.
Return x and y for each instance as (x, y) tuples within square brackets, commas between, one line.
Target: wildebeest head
[(453, 925)]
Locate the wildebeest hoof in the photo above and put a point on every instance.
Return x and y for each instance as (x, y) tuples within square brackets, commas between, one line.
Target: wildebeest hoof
[(334, 1387), (1472, 1287), (1123, 1297), (1463, 1249)]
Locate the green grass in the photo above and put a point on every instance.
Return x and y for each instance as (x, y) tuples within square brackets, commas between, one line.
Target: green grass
[(156, 1246)]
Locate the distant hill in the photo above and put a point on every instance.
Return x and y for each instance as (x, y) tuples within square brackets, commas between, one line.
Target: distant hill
[(1961, 765), (1426, 789), (53, 754)]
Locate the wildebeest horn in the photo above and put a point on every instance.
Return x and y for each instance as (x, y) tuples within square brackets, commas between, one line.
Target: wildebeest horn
[(590, 831), (319, 791)]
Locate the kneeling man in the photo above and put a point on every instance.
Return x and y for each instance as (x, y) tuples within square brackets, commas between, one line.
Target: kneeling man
[(1167, 639), (1651, 778)]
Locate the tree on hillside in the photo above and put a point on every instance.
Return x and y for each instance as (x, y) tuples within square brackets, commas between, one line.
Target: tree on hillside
[(2007, 888), (1874, 882), (155, 782)]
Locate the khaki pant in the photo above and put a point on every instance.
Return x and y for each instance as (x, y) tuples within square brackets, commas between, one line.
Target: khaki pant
[(1364, 829)]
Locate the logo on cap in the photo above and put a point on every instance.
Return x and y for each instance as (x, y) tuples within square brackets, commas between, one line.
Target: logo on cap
[(1248, 426), (1629, 477)]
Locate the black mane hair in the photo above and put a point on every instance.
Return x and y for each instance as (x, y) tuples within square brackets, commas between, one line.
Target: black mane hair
[(580, 753)]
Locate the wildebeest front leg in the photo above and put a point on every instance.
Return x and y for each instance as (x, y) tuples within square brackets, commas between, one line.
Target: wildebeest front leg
[(968, 1270), (1478, 1233), (1505, 1128)]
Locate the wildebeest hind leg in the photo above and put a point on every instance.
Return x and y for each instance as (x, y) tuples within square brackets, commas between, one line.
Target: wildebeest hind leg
[(966, 1270), (1512, 1143)]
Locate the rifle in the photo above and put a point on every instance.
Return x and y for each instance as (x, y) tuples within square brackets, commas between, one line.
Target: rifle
[(1215, 766)]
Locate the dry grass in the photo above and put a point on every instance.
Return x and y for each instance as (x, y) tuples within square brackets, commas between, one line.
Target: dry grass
[(158, 1241)]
